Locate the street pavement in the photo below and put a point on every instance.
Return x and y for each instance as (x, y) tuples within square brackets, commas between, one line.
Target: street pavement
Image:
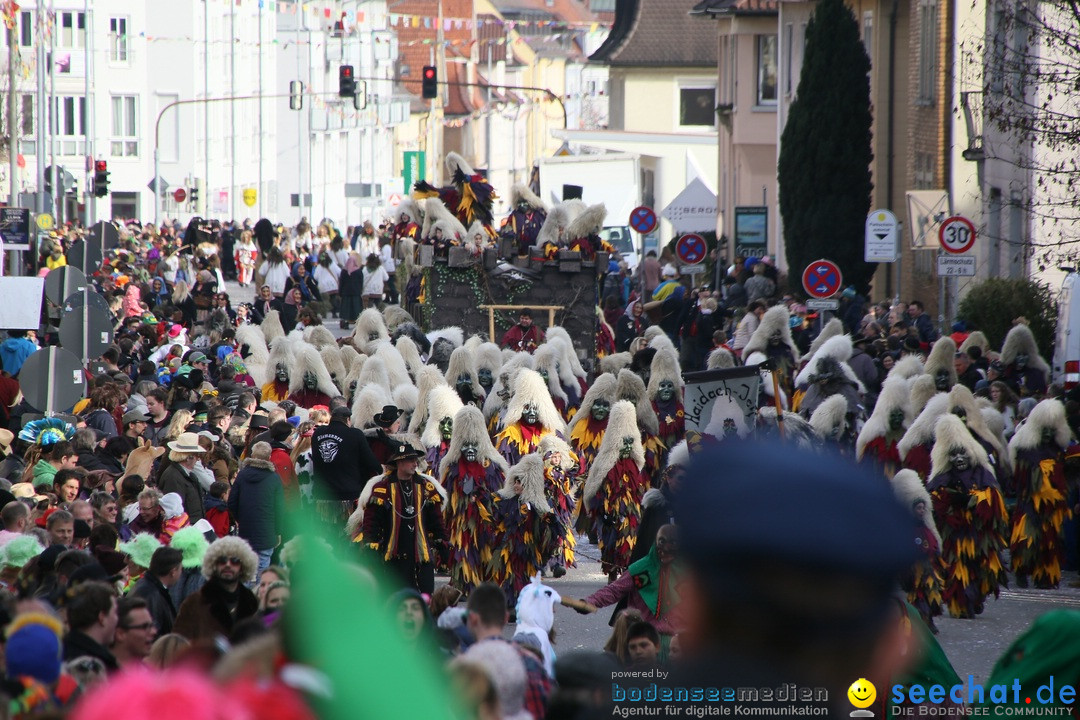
[(973, 646)]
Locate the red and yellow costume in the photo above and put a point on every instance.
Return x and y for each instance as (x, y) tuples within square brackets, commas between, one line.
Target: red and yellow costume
[(470, 488), (616, 513)]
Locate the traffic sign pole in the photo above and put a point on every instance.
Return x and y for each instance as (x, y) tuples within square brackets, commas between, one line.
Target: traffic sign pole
[(643, 220)]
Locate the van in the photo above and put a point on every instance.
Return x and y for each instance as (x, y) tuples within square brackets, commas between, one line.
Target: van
[(628, 243), (1065, 369)]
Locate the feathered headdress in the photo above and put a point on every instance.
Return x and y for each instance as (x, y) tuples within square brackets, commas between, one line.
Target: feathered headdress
[(469, 427), (832, 412), (921, 430), (941, 358), (725, 408), (894, 396), (631, 387), (775, 321), (308, 360), (1049, 414), (1021, 340), (950, 432), (603, 387), (46, 431), (442, 402), (529, 387), (622, 423), (529, 471), (909, 489)]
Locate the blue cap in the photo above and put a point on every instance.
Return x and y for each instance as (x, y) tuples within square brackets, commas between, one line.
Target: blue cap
[(760, 502), (294, 420), (751, 262)]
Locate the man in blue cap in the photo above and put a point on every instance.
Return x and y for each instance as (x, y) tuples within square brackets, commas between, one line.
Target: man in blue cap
[(791, 559)]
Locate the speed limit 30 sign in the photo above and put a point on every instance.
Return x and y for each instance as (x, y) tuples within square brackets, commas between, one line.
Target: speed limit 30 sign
[(957, 235)]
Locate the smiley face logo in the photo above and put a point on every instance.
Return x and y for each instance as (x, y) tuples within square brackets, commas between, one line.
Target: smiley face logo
[(862, 693)]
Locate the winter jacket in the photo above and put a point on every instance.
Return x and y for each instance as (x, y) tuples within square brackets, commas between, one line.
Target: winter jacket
[(158, 601), (14, 352), (178, 480), (343, 460), (190, 582), (257, 502), (205, 615), (101, 419), (217, 514)]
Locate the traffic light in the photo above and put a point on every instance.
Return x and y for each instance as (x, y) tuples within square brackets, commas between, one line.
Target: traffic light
[(430, 79), (194, 197), (296, 95), (101, 178), (346, 81)]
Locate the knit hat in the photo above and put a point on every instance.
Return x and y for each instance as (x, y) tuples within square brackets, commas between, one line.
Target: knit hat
[(192, 543), (34, 648), (140, 549), (20, 550)]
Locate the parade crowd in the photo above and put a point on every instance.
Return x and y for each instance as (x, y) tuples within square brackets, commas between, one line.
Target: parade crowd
[(149, 531)]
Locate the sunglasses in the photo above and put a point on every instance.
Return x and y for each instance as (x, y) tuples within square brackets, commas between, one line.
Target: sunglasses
[(142, 626), (229, 561)]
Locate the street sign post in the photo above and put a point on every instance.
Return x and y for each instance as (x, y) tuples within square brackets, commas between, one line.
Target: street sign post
[(85, 255), (691, 249), (955, 266), (250, 196), (830, 305), (179, 195), (643, 220), (62, 282), (45, 221), (692, 269), (15, 228), (822, 279), (52, 380), (881, 236), (85, 331), (957, 235)]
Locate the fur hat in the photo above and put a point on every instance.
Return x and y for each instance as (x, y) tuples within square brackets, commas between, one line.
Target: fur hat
[(282, 352), (395, 316), (331, 358), (909, 366), (520, 192), (352, 380), (476, 237), (190, 541), (665, 366), (231, 546), (622, 423), (921, 430), (271, 326), (1021, 340), (410, 354), (309, 360), (370, 399), (1048, 414), (504, 381), (921, 389), (680, 454), (721, 359), (140, 548), (553, 443), (320, 336), (560, 216), (407, 207), (589, 222), (546, 361), (469, 427), (631, 387), (370, 329), (941, 358), (442, 402), (774, 321), (20, 550), (565, 356), (976, 339), (452, 333), (832, 328), (405, 397), (725, 408), (950, 432), (428, 379), (252, 336), (894, 396), (528, 388), (396, 368), (995, 422), (558, 331), (828, 415), (529, 471), (837, 347), (603, 387), (615, 362), (463, 362), (960, 396), (909, 489), (488, 357), (349, 356), (437, 215)]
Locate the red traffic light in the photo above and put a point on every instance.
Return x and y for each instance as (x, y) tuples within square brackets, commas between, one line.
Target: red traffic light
[(101, 166), (346, 71), (429, 73)]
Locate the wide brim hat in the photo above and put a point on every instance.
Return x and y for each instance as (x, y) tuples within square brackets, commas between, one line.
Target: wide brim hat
[(403, 451), (187, 443), (6, 438), (388, 416)]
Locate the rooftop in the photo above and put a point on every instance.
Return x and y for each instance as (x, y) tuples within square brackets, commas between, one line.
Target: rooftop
[(651, 33)]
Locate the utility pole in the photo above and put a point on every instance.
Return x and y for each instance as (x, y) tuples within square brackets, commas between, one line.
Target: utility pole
[(54, 130), (14, 126), (89, 199), (44, 118), (232, 112)]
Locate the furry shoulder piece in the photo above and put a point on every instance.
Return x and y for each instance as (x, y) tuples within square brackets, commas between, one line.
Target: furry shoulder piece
[(950, 432), (395, 315), (773, 322), (452, 334), (922, 428), (906, 367), (832, 328), (976, 339), (838, 347), (1049, 414), (629, 386), (332, 360), (721, 359), (564, 351), (679, 455), (724, 409), (665, 366), (921, 389), (1021, 340), (307, 360), (909, 489), (396, 368), (252, 336), (407, 207), (530, 473), (828, 415), (894, 396), (320, 336), (622, 423), (462, 362), (470, 427), (553, 443), (520, 192), (960, 396), (603, 387), (282, 352), (546, 361), (442, 402), (529, 388), (410, 353), (369, 401), (427, 380), (488, 357), (370, 329), (796, 429), (941, 358), (271, 326), (995, 422), (615, 362), (589, 222)]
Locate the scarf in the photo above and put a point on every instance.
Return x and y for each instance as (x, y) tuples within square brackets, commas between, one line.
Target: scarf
[(655, 583)]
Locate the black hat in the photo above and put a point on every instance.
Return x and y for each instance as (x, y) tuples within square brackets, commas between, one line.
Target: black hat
[(387, 417), (403, 451), (259, 421)]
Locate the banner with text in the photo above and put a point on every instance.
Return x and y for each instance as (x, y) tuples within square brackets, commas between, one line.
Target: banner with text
[(704, 388)]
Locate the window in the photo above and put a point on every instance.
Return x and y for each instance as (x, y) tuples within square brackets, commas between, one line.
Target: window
[(26, 112), (125, 137), (928, 49), (1020, 50), (868, 33), (997, 53), (118, 40), (72, 29), (26, 28), (697, 107), (767, 80), (70, 116), (789, 48)]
